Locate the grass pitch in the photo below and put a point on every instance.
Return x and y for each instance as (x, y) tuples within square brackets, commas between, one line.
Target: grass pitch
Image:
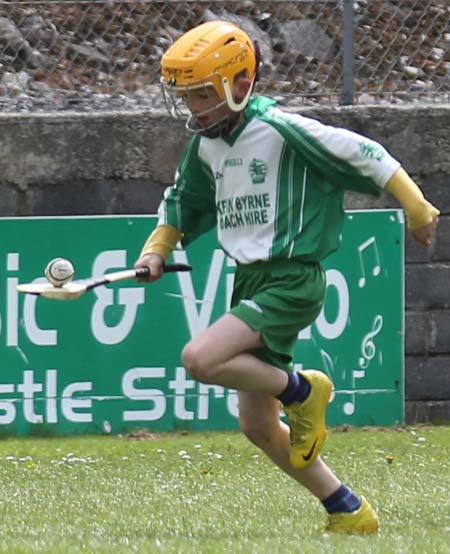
[(216, 493)]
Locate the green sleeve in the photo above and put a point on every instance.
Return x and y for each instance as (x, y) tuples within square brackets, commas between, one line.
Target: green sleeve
[(189, 204)]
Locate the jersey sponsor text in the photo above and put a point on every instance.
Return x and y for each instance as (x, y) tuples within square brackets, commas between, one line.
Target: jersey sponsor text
[(245, 210)]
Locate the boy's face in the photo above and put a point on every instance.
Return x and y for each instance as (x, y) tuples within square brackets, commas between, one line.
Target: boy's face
[(206, 106)]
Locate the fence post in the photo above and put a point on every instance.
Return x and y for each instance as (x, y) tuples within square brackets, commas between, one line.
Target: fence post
[(348, 55)]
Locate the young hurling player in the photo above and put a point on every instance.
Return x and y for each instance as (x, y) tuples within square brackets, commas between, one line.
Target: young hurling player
[(273, 183)]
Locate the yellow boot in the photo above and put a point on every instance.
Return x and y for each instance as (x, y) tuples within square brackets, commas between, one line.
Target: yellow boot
[(363, 521), (307, 420)]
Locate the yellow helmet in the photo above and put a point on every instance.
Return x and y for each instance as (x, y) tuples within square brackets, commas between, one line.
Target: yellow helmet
[(213, 54)]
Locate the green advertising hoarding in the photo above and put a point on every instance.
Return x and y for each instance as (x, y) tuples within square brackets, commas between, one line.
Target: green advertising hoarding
[(110, 361)]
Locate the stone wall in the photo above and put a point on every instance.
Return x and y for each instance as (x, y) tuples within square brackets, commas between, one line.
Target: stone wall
[(110, 163)]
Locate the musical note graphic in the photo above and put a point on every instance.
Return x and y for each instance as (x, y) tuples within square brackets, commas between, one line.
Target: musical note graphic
[(376, 270), (349, 407), (368, 348)]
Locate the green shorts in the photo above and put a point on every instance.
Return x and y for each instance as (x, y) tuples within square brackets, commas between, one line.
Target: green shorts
[(278, 298)]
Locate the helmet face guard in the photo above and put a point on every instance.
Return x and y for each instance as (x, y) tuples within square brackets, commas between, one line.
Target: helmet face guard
[(215, 55), (177, 106)]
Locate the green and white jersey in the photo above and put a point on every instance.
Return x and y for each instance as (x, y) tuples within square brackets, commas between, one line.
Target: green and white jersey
[(274, 187)]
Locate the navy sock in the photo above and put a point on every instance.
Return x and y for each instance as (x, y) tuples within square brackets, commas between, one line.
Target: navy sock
[(343, 500), (297, 389)]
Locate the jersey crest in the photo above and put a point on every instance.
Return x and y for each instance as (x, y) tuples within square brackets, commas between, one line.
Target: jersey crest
[(258, 171)]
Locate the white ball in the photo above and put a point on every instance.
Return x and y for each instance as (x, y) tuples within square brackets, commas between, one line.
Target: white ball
[(59, 271)]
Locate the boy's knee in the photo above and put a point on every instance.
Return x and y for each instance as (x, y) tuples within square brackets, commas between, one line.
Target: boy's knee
[(192, 359)]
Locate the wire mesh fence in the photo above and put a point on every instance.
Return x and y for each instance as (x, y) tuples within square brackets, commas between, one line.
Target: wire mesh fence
[(90, 55)]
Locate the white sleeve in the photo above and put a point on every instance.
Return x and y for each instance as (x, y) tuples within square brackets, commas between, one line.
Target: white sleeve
[(367, 156)]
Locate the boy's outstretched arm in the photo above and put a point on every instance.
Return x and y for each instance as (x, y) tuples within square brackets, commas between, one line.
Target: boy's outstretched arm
[(422, 216)]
